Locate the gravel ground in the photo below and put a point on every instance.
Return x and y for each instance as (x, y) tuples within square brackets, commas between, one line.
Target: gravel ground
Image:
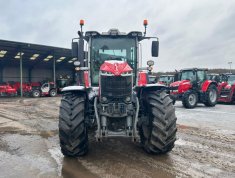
[(29, 145)]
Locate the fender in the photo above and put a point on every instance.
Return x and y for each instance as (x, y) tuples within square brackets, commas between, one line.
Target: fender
[(150, 87), (90, 92), (73, 88), (206, 85)]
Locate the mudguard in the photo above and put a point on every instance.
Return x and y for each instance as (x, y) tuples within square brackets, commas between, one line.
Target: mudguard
[(206, 85), (150, 87), (91, 92), (73, 88)]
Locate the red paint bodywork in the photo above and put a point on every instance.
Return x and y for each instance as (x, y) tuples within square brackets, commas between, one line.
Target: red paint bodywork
[(205, 85), (231, 96), (6, 89), (142, 78), (115, 67), (86, 79), (221, 86), (183, 86), (26, 86)]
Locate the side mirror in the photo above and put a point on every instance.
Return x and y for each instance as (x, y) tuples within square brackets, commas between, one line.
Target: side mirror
[(155, 48), (75, 49)]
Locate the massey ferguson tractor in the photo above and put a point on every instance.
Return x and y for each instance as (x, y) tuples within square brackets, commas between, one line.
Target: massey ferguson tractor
[(193, 87), (113, 97), (227, 93)]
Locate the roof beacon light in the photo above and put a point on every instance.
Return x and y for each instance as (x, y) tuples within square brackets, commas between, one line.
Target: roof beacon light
[(145, 22), (145, 26), (81, 22)]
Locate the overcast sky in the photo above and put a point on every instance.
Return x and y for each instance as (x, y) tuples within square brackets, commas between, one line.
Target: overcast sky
[(192, 33)]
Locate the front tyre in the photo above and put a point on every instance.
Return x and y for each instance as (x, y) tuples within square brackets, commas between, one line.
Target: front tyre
[(36, 93), (211, 96), (52, 93), (159, 133), (72, 129), (190, 99)]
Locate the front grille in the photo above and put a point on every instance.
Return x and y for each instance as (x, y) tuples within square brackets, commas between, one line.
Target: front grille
[(174, 88), (116, 86), (225, 92)]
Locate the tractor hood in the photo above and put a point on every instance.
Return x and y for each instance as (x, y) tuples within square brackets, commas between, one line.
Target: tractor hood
[(227, 87), (177, 83), (115, 67)]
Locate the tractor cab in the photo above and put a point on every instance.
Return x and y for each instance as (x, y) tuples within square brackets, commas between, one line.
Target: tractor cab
[(193, 87), (231, 79), (214, 77)]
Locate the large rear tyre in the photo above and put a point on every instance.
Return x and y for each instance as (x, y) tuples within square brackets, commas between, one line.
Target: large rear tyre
[(72, 129), (159, 133), (173, 99), (211, 96), (190, 99)]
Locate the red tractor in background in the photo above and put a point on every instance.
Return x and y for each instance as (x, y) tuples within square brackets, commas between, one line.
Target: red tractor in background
[(193, 87), (227, 92), (221, 80), (7, 90), (113, 95)]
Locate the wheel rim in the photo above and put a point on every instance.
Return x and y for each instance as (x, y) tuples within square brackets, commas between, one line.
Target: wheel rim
[(36, 94), (213, 95), (192, 99), (53, 93)]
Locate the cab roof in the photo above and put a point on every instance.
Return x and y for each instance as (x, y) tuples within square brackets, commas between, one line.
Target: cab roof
[(195, 69), (114, 33), (166, 75)]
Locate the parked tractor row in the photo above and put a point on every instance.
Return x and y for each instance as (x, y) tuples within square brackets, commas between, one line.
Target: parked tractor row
[(34, 89), (192, 86)]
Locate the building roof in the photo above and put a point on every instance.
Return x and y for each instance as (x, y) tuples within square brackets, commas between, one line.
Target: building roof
[(34, 55)]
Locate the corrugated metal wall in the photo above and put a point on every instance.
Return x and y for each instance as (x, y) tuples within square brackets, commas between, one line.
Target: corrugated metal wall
[(37, 74), (13, 74)]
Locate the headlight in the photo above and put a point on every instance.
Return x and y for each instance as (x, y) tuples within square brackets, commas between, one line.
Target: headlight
[(128, 99), (126, 73), (104, 99), (106, 73)]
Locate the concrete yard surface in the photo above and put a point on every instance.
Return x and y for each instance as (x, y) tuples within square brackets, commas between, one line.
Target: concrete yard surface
[(29, 145)]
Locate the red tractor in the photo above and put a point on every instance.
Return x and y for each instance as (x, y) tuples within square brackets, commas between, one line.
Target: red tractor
[(227, 93), (221, 80), (193, 87), (46, 89), (113, 95), (7, 90)]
